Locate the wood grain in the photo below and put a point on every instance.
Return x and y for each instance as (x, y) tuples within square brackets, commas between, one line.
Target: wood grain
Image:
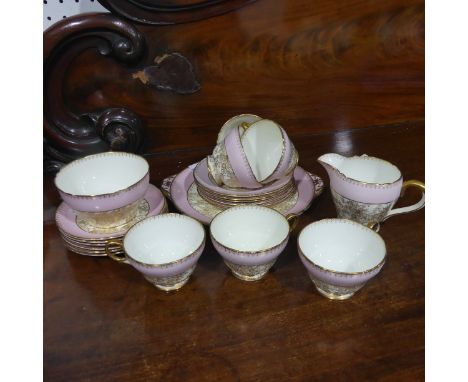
[(311, 66), (104, 322), (167, 12), (69, 134)]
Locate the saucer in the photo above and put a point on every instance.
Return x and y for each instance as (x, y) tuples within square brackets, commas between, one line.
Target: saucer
[(89, 251), (183, 192), (65, 218), (200, 173)]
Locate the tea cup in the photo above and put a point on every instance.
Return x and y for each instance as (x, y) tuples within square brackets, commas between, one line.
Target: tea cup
[(250, 238), (365, 188), (252, 154), (238, 121), (103, 182), (164, 248), (228, 165), (270, 153), (341, 256)]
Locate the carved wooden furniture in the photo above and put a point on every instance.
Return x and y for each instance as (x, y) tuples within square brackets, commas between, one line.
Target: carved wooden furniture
[(341, 76), (67, 134), (171, 12)]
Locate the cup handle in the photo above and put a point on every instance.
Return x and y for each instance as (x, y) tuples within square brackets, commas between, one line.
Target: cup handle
[(113, 256), (413, 207), (374, 226), (245, 126), (292, 219)]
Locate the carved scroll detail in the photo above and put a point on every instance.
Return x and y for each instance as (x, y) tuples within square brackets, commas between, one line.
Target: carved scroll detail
[(161, 13), (69, 135)]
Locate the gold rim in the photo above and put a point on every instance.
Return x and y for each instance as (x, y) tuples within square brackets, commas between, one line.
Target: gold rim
[(230, 119), (283, 153), (258, 252), (197, 180), (226, 188), (246, 161), (92, 156), (90, 250), (224, 205), (165, 265), (380, 264), (266, 198), (99, 239), (374, 185), (271, 194), (163, 210)]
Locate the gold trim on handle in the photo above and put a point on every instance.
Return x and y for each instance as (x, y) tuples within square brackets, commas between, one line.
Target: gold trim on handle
[(374, 226), (112, 255), (414, 207), (292, 219), (244, 126), (412, 183)]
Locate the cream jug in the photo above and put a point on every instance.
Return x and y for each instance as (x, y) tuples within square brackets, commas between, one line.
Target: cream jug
[(365, 188)]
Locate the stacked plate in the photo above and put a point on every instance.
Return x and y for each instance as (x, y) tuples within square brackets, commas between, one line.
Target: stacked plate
[(223, 197), (84, 239)]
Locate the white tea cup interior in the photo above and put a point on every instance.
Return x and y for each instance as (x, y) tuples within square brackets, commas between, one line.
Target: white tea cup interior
[(263, 145), (249, 228), (342, 245), (102, 173), (163, 239)]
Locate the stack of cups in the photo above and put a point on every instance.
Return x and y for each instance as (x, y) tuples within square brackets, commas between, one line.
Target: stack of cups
[(252, 163)]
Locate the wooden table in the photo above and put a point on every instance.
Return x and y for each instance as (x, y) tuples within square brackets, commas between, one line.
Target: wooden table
[(104, 322)]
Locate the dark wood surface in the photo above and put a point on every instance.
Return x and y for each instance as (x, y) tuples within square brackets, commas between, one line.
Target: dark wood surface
[(311, 66), (104, 322)]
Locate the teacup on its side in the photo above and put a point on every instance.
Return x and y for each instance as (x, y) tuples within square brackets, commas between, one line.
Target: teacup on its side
[(250, 238), (164, 248), (340, 256)]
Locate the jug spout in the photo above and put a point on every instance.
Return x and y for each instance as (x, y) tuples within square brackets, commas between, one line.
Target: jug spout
[(332, 162)]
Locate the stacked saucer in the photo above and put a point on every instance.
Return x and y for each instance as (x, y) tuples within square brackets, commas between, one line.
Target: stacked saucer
[(224, 197), (104, 196), (85, 239)]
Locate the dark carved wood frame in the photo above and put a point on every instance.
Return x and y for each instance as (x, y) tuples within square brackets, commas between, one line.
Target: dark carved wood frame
[(68, 135), (150, 12)]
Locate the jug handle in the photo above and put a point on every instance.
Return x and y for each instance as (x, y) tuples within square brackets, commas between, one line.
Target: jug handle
[(113, 256), (413, 207)]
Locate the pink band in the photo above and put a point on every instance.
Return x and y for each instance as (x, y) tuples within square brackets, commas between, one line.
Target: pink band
[(238, 160), (363, 192), (285, 159)]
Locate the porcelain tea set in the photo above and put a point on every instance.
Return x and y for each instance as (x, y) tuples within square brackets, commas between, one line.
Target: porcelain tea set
[(250, 191)]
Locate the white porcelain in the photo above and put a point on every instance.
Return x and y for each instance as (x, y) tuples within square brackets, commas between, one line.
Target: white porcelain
[(164, 248), (363, 168), (103, 182), (250, 153), (340, 255), (236, 121), (249, 238), (365, 188), (182, 190), (264, 147)]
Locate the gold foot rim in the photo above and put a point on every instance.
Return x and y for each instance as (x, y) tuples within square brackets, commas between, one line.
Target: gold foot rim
[(332, 296), (169, 288), (249, 278)]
